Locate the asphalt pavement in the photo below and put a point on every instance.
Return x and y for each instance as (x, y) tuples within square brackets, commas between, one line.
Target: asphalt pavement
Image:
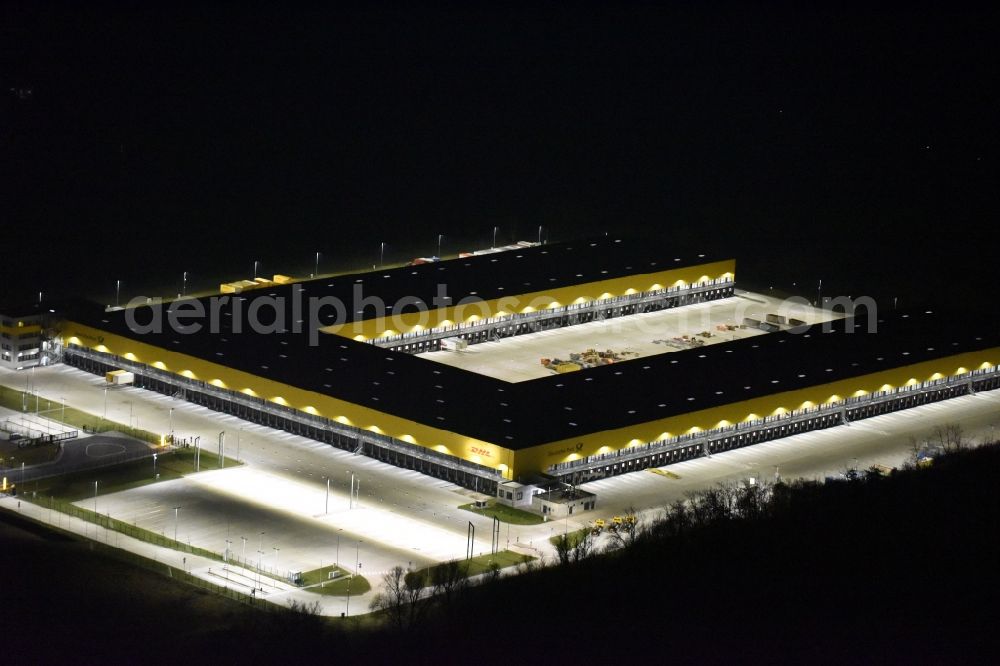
[(403, 517)]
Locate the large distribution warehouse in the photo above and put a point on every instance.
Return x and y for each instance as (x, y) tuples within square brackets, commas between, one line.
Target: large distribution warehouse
[(343, 360)]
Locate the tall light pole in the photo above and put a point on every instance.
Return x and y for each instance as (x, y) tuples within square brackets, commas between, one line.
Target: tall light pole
[(276, 549), (184, 283), (316, 271), (118, 289), (176, 512), (350, 500), (171, 428), (381, 255), (244, 558), (357, 557), (260, 552), (347, 609), (327, 509), (495, 229), (222, 449), (255, 264), (539, 234), (440, 237)]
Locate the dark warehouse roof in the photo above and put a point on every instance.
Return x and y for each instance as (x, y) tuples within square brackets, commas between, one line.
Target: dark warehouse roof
[(492, 276), (519, 415)]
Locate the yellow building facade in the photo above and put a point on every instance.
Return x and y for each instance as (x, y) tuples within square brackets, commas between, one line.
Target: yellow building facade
[(509, 462)]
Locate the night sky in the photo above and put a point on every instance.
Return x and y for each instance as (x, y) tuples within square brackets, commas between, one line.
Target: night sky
[(857, 146)]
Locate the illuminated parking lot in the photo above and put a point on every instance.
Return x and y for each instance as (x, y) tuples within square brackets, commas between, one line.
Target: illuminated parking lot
[(518, 358)]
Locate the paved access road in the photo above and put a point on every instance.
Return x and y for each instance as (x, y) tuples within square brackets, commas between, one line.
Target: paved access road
[(221, 574), (406, 518)]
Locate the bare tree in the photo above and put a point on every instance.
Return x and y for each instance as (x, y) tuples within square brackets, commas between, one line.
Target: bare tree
[(492, 572), (752, 500), (574, 546), (304, 607), (301, 619), (949, 437), (400, 598), (678, 519), (713, 505), (956, 437), (526, 564), (584, 546), (564, 548), (449, 580), (916, 447), (628, 531)]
